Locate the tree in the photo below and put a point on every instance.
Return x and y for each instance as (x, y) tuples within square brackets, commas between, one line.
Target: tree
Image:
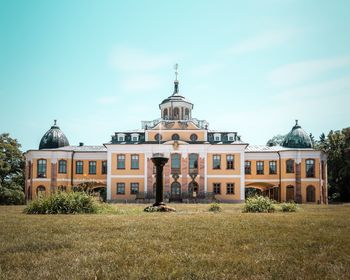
[(276, 140), (11, 171), (337, 147)]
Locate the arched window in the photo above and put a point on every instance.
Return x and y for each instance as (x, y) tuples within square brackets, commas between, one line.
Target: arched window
[(290, 166), (193, 163), (41, 168), (175, 189), (175, 137), (187, 114), (175, 163), (40, 191), (310, 168), (176, 113), (290, 193), (165, 114), (158, 137), (310, 194), (193, 187), (62, 166), (193, 137)]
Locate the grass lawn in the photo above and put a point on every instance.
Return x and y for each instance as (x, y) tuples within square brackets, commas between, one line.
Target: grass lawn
[(313, 243)]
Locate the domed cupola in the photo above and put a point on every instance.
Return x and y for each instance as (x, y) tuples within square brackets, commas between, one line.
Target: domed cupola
[(176, 106), (53, 138), (297, 138)]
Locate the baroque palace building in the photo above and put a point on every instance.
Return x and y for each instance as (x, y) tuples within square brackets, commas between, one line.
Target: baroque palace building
[(203, 164)]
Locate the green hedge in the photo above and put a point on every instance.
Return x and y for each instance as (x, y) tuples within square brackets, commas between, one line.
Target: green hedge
[(257, 204), (63, 203), (288, 207), (215, 207)]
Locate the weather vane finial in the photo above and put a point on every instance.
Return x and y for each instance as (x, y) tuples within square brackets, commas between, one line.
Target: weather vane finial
[(176, 67), (55, 122), (296, 122)]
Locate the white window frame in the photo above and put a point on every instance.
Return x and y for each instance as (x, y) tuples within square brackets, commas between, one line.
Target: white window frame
[(217, 135)]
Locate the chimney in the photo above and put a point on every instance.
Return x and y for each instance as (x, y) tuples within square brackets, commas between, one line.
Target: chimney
[(81, 144)]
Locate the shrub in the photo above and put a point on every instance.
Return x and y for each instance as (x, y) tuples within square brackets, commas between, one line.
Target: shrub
[(63, 203), (259, 204), (215, 207), (11, 194), (288, 207)]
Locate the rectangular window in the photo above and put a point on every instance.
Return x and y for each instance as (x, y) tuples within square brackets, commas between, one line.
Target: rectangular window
[(104, 167), (175, 163), (134, 188), (259, 167), (248, 167), (120, 161), (193, 166), (92, 167), (290, 166), (79, 167), (310, 168), (217, 188), (135, 138), (273, 167), (230, 188), (41, 168), (134, 161), (230, 162), (120, 188), (216, 161), (62, 166)]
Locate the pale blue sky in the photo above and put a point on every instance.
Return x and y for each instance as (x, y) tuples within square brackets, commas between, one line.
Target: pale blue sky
[(103, 66)]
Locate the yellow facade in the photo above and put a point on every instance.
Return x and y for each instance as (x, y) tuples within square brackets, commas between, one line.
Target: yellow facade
[(204, 159)]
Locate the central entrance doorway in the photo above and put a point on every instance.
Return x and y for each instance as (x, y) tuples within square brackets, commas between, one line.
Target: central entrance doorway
[(175, 192)]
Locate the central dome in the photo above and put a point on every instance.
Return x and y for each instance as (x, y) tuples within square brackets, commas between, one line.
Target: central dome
[(176, 106), (53, 138), (297, 138)]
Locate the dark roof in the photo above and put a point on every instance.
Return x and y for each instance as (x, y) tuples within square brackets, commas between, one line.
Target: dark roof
[(297, 138), (53, 138), (176, 98)]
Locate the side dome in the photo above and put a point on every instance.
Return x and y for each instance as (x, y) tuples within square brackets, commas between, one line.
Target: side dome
[(297, 138), (53, 138)]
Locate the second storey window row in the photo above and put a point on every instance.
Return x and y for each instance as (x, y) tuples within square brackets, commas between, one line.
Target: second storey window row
[(134, 161)]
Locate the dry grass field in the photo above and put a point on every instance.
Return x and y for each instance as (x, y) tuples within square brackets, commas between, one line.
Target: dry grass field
[(192, 243)]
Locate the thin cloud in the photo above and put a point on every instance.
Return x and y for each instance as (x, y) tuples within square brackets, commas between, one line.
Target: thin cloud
[(264, 40), (296, 73), (321, 89)]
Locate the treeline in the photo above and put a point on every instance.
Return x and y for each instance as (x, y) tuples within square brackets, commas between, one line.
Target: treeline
[(337, 145), (12, 166)]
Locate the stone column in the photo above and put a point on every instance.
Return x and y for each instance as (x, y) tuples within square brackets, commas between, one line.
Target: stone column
[(53, 177), (167, 177), (298, 196), (149, 175), (184, 173), (201, 175)]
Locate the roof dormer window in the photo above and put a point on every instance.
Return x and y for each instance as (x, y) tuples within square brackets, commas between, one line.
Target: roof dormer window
[(121, 137), (134, 137), (231, 137), (217, 137)]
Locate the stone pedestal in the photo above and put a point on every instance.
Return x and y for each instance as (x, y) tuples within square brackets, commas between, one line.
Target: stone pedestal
[(159, 162)]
